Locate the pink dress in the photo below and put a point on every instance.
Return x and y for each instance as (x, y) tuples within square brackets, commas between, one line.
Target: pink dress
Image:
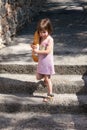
[(46, 63)]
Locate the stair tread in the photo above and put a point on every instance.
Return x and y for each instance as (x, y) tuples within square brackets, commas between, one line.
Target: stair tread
[(29, 77), (37, 98), (24, 56), (27, 83), (35, 121)]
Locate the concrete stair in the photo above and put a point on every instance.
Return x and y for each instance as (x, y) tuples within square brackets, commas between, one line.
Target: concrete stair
[(22, 92), (21, 98), (21, 95), (41, 121), (27, 83), (30, 68), (62, 103)]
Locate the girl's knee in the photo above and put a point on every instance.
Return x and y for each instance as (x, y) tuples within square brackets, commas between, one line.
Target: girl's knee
[(39, 76), (47, 79)]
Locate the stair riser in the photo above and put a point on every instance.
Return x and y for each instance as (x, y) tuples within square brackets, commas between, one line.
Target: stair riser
[(31, 69), (8, 85), (46, 108)]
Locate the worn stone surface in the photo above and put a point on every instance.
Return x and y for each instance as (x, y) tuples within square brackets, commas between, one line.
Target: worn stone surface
[(42, 121), (61, 103), (69, 35), (26, 83), (70, 54)]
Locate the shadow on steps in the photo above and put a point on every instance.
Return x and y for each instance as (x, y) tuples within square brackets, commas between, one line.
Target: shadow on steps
[(8, 85)]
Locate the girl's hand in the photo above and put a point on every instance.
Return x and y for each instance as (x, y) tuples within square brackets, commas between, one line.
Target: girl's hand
[(33, 46), (35, 50)]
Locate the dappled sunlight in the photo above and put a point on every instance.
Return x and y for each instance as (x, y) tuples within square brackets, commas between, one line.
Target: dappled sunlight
[(21, 94), (69, 32), (41, 121), (70, 60), (16, 57)]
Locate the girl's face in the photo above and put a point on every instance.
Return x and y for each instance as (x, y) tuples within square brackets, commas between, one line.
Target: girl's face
[(43, 34)]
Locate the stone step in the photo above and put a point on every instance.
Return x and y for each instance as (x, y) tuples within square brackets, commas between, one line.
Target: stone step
[(42, 121), (62, 103), (30, 68), (26, 83)]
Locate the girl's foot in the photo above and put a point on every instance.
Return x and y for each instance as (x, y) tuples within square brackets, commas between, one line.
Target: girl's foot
[(48, 98), (45, 99)]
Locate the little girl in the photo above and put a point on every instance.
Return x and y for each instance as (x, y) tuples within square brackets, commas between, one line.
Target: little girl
[(45, 66)]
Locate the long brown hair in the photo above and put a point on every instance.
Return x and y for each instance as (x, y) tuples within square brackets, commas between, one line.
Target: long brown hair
[(45, 24)]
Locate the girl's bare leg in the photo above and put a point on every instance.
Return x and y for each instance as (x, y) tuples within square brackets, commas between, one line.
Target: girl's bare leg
[(47, 79), (39, 76)]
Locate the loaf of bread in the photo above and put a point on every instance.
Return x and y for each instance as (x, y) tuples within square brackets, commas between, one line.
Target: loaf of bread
[(35, 42), (36, 38)]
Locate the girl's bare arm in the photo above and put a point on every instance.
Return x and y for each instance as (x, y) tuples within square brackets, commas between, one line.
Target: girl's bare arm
[(48, 49)]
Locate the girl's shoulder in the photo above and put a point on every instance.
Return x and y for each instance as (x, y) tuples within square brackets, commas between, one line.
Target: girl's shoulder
[(50, 39)]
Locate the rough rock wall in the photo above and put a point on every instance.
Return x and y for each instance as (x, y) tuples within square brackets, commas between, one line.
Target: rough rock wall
[(14, 14)]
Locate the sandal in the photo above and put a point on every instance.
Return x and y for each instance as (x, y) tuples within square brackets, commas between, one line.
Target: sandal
[(48, 98), (50, 95)]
